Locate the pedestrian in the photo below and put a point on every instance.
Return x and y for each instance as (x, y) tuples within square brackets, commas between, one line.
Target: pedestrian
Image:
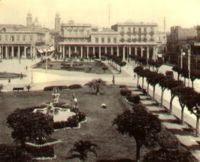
[(75, 101), (113, 80)]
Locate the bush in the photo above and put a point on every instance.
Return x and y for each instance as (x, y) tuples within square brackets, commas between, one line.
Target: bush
[(9, 153), (134, 99), (75, 86), (37, 152), (122, 86), (59, 87), (125, 92)]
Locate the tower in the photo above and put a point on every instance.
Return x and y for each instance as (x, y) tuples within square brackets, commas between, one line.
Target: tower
[(57, 22), (29, 20)]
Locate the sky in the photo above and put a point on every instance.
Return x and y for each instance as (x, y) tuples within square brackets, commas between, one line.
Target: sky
[(185, 13)]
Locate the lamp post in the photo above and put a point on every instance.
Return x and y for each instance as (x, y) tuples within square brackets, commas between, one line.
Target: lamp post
[(182, 54), (189, 63)]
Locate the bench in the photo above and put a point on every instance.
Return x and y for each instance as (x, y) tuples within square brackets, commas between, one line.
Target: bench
[(18, 89)]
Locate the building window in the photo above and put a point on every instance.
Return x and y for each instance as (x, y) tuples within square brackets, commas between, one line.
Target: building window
[(102, 40), (97, 40), (31, 37), (18, 38), (139, 30), (109, 40), (115, 40), (6, 37), (24, 37), (12, 38)]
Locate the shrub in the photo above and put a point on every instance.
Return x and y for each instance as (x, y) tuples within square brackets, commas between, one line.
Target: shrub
[(122, 86), (37, 152), (125, 92), (134, 99), (9, 153), (59, 87), (75, 86)]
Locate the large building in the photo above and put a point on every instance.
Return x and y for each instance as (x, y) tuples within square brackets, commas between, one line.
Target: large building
[(19, 41), (122, 39), (179, 41)]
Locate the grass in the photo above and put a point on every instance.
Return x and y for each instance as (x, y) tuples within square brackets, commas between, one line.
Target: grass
[(98, 128), (71, 65)]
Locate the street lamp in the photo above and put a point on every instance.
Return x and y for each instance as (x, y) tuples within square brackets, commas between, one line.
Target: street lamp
[(182, 54), (189, 63)]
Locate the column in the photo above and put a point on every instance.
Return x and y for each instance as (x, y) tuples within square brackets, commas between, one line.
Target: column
[(129, 50), (124, 58), (87, 52), (111, 50), (6, 51), (136, 51), (75, 49), (105, 50), (31, 51), (34, 52), (12, 52), (18, 51), (69, 50), (81, 51), (63, 52), (147, 55), (93, 50), (142, 49), (117, 51), (25, 55), (99, 52)]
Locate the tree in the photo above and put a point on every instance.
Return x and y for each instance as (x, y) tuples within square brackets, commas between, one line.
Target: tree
[(163, 82), (96, 85), (139, 124), (193, 105), (184, 94), (169, 155), (138, 71), (171, 84), (153, 80), (1, 87), (195, 74), (121, 64), (29, 126), (104, 68), (28, 87), (9, 153), (82, 148), (178, 70)]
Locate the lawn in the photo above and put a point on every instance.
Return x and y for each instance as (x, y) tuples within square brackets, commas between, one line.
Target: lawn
[(98, 128), (95, 66)]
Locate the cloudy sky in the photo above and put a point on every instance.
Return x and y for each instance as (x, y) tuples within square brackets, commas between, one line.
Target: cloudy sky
[(177, 12)]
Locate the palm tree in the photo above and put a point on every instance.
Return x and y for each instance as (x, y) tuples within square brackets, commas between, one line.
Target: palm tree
[(82, 148), (139, 124)]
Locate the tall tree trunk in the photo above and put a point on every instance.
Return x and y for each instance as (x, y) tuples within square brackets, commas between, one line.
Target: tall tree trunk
[(147, 87), (142, 82), (192, 83), (178, 76), (171, 100), (197, 126), (182, 113), (137, 80), (154, 92), (138, 147), (161, 99)]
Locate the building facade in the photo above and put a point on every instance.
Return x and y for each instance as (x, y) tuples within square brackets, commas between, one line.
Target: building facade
[(123, 40), (19, 41)]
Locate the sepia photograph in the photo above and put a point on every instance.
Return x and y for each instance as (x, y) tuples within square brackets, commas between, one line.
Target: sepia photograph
[(99, 81)]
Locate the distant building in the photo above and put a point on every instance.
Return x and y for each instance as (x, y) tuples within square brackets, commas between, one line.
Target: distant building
[(179, 41), (23, 41), (122, 39)]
